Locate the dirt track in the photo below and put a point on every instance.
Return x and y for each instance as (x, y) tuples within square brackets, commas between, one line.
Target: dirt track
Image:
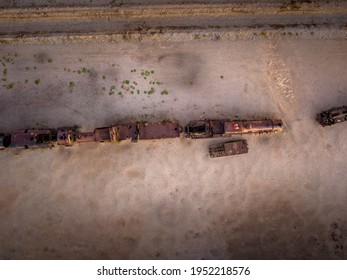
[(121, 3), (17, 22)]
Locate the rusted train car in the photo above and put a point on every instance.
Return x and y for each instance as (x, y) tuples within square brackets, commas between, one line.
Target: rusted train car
[(229, 148), (131, 131), (332, 116), (227, 128), (46, 138)]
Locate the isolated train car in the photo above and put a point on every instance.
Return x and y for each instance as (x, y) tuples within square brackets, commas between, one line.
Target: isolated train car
[(332, 116)]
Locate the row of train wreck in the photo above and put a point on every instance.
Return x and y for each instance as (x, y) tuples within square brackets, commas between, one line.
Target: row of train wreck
[(135, 131)]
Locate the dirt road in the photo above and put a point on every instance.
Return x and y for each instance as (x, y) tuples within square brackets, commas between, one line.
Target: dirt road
[(125, 19), (120, 3)]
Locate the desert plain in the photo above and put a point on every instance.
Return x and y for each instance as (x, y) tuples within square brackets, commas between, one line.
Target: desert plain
[(167, 199)]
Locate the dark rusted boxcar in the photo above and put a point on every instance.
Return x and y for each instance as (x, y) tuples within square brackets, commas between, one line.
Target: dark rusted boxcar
[(332, 116), (228, 148), (42, 138)]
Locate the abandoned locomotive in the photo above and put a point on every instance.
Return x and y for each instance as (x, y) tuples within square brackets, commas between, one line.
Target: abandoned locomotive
[(47, 138)]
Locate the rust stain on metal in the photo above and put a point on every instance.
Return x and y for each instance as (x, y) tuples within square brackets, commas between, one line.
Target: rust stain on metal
[(127, 131), (85, 137), (158, 130), (105, 134)]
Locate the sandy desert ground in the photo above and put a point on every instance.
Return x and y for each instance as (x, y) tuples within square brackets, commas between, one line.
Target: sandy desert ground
[(121, 61), (285, 199)]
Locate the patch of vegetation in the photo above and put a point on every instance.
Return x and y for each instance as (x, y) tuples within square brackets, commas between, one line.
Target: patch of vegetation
[(103, 88), (37, 81), (4, 72), (146, 73), (222, 77), (27, 68), (26, 81), (72, 84), (9, 58), (103, 77), (112, 90), (83, 70), (151, 91), (131, 87), (9, 86), (50, 60)]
